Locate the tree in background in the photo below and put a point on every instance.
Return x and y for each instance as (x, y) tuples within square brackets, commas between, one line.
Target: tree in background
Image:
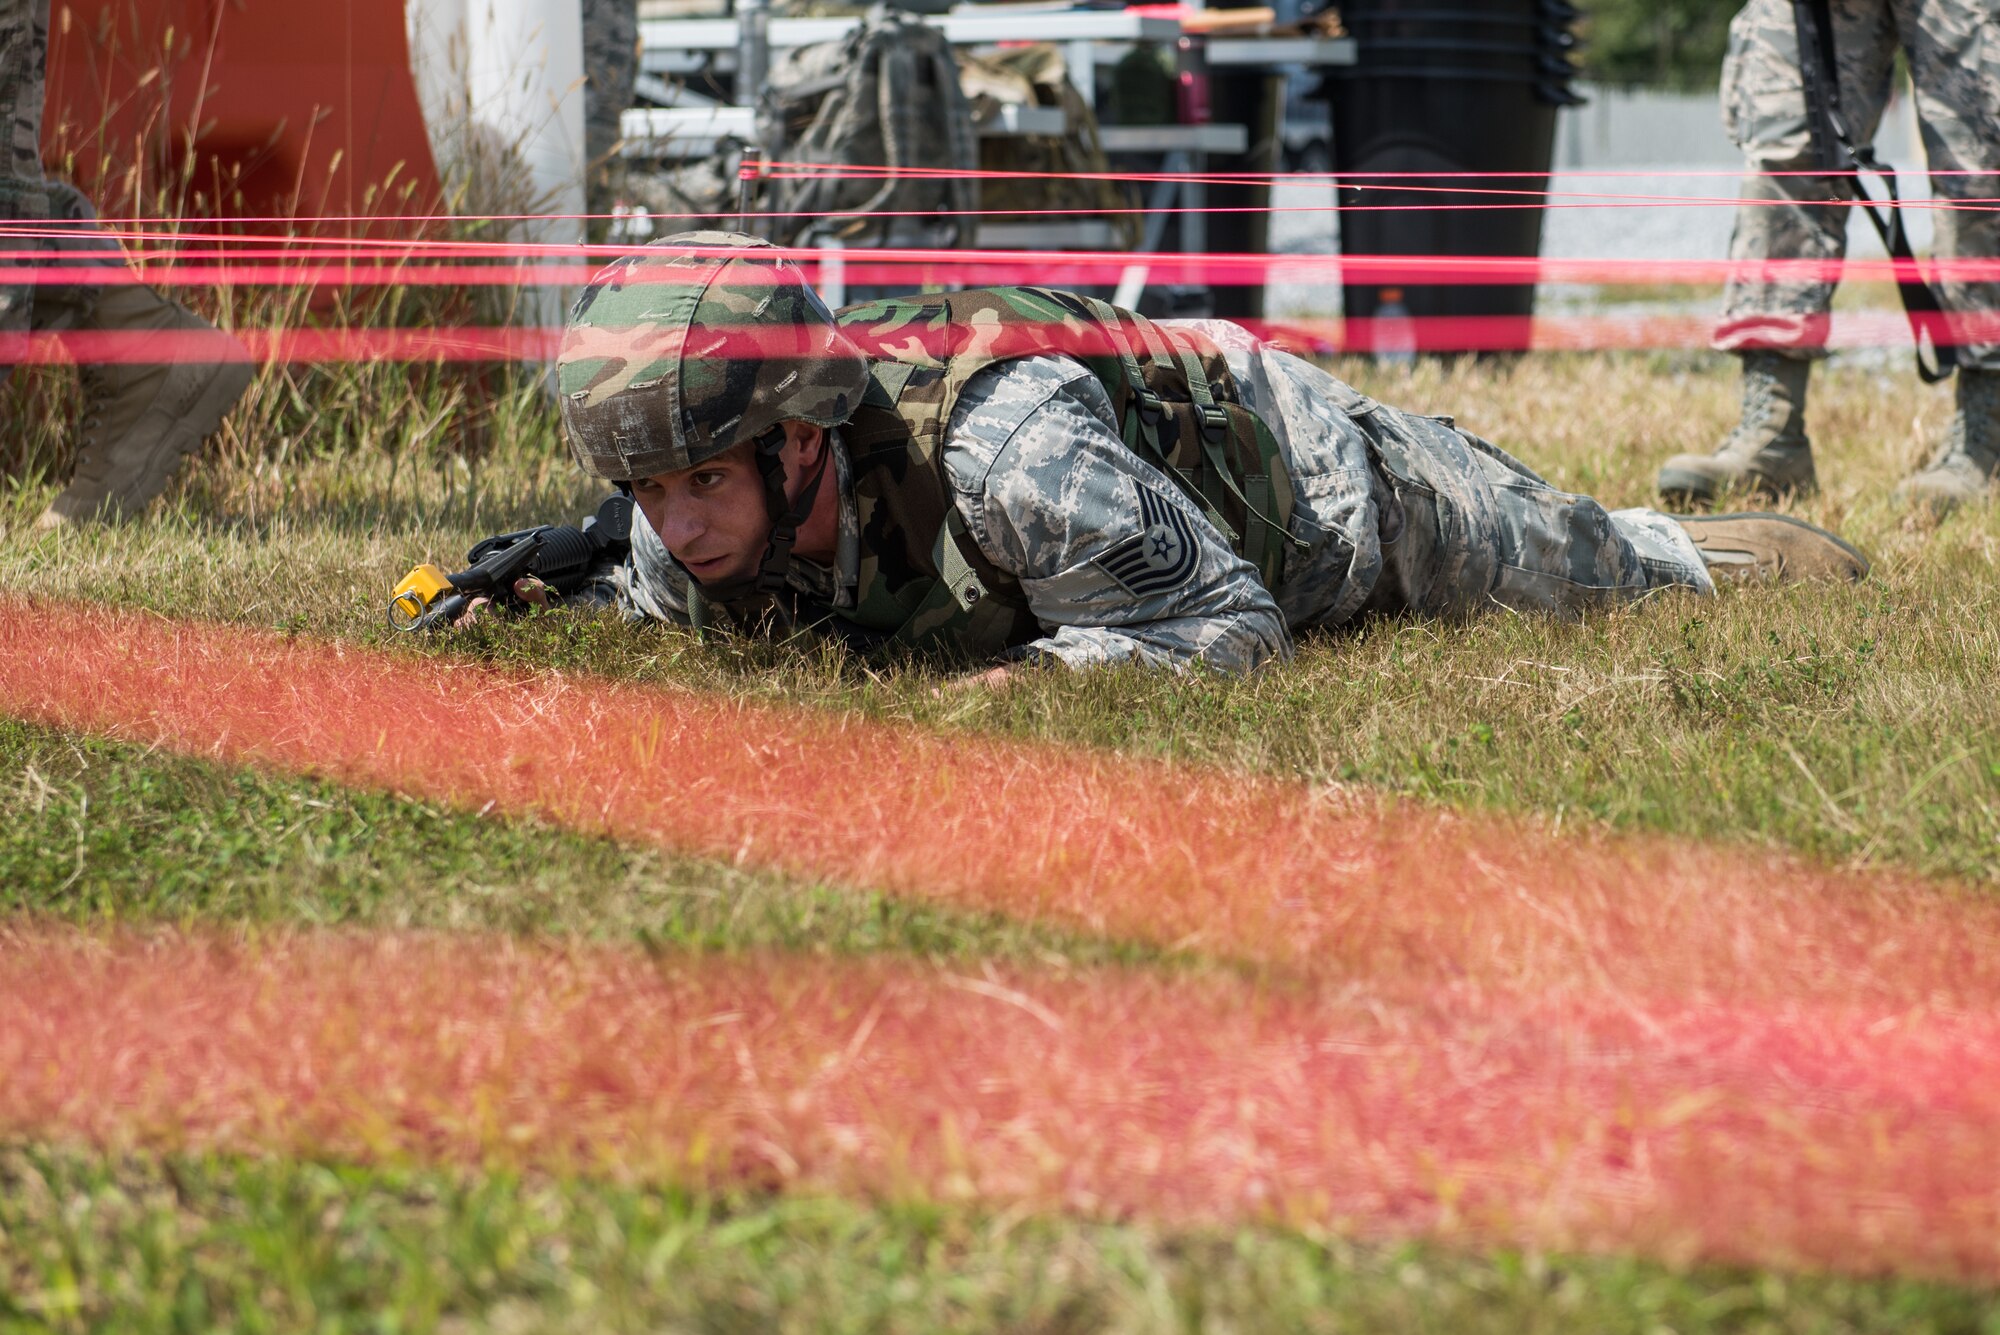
[(1660, 43)]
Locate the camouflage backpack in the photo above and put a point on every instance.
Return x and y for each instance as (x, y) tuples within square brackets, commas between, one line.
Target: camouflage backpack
[(886, 96), (924, 583), (1062, 175)]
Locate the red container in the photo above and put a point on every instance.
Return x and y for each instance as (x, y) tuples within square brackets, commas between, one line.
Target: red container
[(283, 115)]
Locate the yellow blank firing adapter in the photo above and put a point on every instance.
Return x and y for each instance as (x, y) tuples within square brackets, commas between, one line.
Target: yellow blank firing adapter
[(418, 592)]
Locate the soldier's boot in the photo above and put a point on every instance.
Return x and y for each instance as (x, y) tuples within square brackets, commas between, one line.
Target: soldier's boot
[(1745, 547), (1964, 466), (1767, 453), (141, 420)]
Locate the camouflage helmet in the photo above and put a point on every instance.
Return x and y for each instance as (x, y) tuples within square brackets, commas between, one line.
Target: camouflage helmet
[(698, 342)]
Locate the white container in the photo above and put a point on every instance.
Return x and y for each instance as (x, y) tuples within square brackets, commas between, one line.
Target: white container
[(501, 84)]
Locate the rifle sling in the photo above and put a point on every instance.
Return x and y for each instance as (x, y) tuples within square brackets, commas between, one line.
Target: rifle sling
[(1839, 156)]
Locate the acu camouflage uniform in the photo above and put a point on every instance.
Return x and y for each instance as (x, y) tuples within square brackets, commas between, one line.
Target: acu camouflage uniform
[(1953, 48), (1113, 561), (67, 223)]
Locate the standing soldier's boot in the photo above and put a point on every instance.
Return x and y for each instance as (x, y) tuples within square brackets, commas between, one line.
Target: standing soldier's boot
[(1768, 453), (141, 420), (1964, 466)]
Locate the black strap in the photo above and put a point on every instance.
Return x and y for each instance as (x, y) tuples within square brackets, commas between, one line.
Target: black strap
[(773, 570), (1839, 156)]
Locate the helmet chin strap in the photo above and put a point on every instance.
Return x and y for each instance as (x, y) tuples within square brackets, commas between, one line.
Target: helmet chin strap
[(786, 516)]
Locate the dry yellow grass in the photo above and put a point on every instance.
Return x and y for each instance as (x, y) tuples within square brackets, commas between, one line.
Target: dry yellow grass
[(1858, 724)]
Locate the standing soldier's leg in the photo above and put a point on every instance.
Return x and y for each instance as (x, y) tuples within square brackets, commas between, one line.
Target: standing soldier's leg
[(55, 227), (611, 71), (1954, 50), (141, 419), (23, 57), (1777, 324), (63, 225)]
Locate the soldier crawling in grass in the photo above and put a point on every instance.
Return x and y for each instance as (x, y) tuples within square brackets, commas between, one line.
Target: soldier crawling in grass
[(1017, 475)]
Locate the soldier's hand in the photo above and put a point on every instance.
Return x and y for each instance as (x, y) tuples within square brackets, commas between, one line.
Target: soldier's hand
[(993, 679), (527, 588)]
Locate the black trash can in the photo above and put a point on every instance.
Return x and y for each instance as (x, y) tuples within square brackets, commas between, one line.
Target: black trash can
[(1441, 88)]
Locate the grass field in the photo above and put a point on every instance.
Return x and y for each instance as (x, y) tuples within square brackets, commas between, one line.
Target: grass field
[(1854, 727)]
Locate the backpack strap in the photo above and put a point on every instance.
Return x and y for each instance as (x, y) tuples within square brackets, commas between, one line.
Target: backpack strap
[(1149, 408), (1150, 405), (962, 139), (1141, 427), (1213, 426), (1255, 493), (960, 564), (1214, 422)]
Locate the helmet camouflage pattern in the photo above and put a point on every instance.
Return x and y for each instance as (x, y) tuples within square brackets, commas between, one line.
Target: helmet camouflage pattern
[(698, 342)]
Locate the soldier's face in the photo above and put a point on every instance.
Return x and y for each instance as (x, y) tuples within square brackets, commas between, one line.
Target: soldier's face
[(712, 518)]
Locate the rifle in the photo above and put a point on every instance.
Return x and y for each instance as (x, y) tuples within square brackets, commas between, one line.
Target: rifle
[(564, 558), (1839, 156)]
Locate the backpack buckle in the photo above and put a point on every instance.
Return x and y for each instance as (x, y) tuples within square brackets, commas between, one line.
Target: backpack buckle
[(1214, 424), (1151, 406)]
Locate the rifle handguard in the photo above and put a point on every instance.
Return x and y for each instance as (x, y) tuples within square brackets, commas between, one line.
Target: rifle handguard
[(563, 558)]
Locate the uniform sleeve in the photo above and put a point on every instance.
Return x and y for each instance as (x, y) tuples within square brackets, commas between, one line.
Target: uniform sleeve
[(1117, 563)]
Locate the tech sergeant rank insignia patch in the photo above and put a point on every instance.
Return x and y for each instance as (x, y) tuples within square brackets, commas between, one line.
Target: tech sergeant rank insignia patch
[(1160, 557)]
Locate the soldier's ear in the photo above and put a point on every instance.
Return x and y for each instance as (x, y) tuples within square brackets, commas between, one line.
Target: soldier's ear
[(807, 440)]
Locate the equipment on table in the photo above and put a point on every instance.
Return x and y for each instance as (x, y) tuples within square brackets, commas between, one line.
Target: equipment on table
[(1065, 175), (885, 100)]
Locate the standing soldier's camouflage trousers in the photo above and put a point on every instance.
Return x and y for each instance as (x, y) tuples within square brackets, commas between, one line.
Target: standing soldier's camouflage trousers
[(611, 69), (1953, 49), (141, 418), (24, 54), (26, 196), (1776, 326)]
